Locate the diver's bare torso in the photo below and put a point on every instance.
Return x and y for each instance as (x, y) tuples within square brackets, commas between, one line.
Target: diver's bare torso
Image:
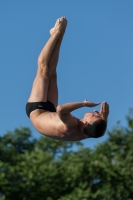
[(49, 124)]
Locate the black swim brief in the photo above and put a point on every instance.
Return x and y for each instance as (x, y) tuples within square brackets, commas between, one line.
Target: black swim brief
[(30, 106)]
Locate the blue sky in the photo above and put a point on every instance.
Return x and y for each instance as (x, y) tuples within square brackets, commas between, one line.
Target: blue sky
[(96, 58)]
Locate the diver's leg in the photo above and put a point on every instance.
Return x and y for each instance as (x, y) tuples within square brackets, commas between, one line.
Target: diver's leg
[(40, 85), (53, 89)]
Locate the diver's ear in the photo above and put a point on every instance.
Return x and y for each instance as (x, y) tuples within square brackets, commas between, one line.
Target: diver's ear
[(86, 122), (87, 130)]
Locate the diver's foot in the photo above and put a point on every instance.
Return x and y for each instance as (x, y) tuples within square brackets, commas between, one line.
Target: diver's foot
[(60, 26)]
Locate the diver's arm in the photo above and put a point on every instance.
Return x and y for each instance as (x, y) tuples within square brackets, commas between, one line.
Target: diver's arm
[(65, 110), (69, 107)]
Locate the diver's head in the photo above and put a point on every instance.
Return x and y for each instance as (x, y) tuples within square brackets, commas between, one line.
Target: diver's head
[(94, 124)]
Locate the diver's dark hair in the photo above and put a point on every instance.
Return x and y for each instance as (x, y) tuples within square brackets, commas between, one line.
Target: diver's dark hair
[(97, 129)]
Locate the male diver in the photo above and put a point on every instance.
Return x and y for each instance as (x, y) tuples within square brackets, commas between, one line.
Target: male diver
[(51, 119)]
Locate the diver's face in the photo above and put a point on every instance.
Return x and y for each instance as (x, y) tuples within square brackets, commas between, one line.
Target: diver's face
[(91, 117)]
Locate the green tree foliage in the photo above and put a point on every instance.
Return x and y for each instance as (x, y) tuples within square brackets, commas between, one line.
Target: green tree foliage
[(46, 169)]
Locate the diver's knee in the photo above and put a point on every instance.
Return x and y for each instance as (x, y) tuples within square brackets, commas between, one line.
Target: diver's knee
[(43, 68), (53, 76), (42, 61)]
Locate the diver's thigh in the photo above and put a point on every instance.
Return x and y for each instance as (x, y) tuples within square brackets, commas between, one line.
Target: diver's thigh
[(53, 90), (39, 89)]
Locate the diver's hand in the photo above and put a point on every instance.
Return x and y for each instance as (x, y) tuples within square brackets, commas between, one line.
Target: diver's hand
[(104, 111), (90, 104)]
